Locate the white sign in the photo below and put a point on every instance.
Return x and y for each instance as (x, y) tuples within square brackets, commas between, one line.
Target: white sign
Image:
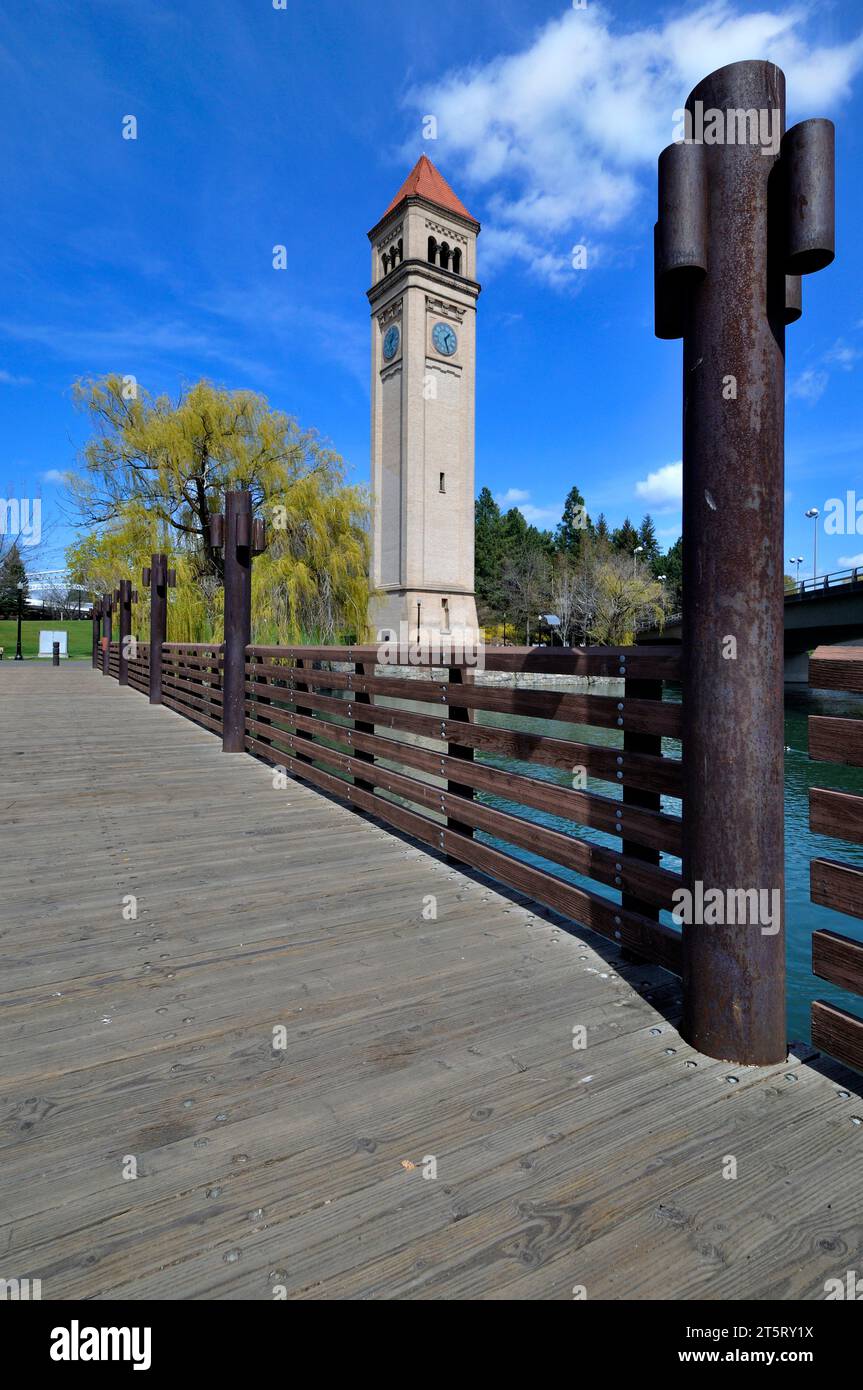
[(47, 640)]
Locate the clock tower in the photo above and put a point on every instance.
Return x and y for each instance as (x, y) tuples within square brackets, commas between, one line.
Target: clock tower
[(423, 302)]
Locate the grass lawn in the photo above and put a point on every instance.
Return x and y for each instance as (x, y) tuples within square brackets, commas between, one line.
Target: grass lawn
[(79, 640)]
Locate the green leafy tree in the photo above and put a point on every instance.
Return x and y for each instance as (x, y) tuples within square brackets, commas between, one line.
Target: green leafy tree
[(625, 538), (156, 470)]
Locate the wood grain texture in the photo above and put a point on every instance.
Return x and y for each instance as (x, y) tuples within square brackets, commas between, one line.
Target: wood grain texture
[(407, 1036), (837, 668), (838, 959), (839, 1033), (833, 740), (839, 814), (838, 886)]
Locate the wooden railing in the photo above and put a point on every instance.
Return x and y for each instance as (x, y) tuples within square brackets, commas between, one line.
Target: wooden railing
[(836, 958), (139, 668), (192, 681), (326, 715), (114, 659)]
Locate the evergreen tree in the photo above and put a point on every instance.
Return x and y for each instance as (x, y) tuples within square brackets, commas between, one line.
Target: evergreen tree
[(489, 549), (573, 525), (625, 538), (647, 538), (601, 530), (12, 572)]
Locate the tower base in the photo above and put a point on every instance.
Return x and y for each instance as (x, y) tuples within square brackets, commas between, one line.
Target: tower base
[(440, 614)]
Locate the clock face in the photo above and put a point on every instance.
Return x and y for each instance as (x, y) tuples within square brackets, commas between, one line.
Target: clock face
[(444, 339), (391, 343)]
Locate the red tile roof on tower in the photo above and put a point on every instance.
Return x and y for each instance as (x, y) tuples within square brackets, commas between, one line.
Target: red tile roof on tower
[(424, 181)]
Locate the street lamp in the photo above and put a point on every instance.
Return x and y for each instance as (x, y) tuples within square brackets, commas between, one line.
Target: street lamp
[(798, 561), (635, 554), (20, 587), (813, 513)]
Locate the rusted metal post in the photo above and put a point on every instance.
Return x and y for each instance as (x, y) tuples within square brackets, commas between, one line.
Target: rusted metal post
[(125, 631), (55, 653), (158, 579), (742, 213), (97, 622), (238, 617), (107, 608)]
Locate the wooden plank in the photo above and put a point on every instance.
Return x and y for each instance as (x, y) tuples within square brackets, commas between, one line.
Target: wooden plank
[(652, 828), (654, 774), (649, 662), (652, 940), (839, 1033), (836, 885), (405, 1037), (839, 814), (837, 668), (834, 740), (622, 871), (838, 959)]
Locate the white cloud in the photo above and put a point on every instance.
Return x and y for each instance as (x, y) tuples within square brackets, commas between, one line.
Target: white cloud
[(520, 499), (53, 475), (8, 379), (664, 487), (850, 562), (810, 385), (564, 135)]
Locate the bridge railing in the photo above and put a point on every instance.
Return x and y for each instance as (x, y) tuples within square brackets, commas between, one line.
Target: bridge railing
[(839, 814), (464, 764), (836, 579)]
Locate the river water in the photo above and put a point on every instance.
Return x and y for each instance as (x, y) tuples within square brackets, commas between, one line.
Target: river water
[(802, 917)]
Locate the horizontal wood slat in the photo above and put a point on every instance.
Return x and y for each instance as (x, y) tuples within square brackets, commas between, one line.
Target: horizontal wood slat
[(837, 668), (834, 740), (644, 770), (651, 939), (648, 662), (652, 828), (199, 716), (835, 885), (838, 959), (839, 814), (838, 1033), (601, 711), (617, 870)]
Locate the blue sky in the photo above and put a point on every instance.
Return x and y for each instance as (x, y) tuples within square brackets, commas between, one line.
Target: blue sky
[(260, 126)]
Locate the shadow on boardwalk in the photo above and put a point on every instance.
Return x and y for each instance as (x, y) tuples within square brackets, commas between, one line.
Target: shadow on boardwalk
[(152, 1039)]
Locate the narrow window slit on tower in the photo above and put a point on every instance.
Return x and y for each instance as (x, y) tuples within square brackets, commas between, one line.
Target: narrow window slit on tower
[(443, 482)]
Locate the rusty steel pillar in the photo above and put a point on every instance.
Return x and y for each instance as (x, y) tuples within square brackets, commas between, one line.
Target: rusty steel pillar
[(107, 609), (125, 631), (97, 622), (158, 579), (239, 538), (55, 653), (744, 210)]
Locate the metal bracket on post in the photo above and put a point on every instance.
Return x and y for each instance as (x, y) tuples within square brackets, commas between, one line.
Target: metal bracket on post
[(125, 605), (740, 220), (159, 579), (241, 538), (107, 610)]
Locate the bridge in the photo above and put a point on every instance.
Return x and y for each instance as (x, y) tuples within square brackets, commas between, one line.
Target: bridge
[(826, 610), (306, 1022)]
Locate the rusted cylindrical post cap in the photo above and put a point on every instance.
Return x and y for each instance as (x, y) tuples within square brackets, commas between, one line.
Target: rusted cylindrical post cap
[(808, 152), (243, 527), (146, 576), (667, 298), (217, 531), (171, 578), (259, 536), (682, 241), (793, 298)]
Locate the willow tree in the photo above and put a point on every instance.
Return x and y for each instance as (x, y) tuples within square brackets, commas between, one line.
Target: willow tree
[(154, 472)]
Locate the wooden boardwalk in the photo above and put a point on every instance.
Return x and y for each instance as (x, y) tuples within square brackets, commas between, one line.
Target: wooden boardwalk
[(263, 1169)]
